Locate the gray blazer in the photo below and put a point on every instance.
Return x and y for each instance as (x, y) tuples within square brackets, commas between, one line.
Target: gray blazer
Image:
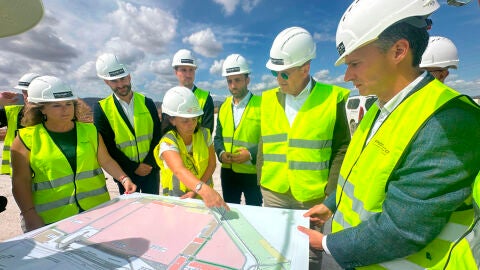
[(432, 179)]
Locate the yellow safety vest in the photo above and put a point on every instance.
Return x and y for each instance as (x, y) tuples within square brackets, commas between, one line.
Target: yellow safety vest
[(202, 96), (12, 112), (362, 198), (197, 162), (298, 157), (465, 253), (246, 135), (57, 190), (134, 145)]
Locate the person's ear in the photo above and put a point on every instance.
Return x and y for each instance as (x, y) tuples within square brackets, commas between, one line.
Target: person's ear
[(400, 49)]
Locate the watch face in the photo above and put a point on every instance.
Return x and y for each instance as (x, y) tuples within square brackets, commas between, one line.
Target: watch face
[(198, 187)]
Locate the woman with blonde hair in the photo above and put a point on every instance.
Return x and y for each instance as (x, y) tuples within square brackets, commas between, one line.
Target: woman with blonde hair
[(56, 160)]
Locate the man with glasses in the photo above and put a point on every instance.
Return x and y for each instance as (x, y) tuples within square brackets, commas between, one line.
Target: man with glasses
[(440, 55), (304, 127), (303, 124)]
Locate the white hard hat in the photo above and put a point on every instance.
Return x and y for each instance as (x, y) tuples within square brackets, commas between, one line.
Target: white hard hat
[(49, 89), (440, 52), (184, 58), (291, 48), (109, 67), (234, 64), (365, 20), (180, 101), (25, 81), (18, 16)]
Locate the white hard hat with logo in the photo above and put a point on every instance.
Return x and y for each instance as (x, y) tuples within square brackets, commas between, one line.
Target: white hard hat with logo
[(292, 47), (184, 58), (109, 67), (441, 53), (235, 64), (49, 89), (180, 101), (25, 81), (365, 20)]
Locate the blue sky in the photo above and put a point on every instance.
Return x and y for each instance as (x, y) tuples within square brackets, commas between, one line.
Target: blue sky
[(146, 33)]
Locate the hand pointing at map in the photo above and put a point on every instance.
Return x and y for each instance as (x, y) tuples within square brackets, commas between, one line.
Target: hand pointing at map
[(211, 198)]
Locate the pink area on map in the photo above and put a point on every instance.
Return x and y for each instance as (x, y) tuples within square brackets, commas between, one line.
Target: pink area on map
[(77, 222), (178, 264), (203, 266), (222, 250), (160, 226)]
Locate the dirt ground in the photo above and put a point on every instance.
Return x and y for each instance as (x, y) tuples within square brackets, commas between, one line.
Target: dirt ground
[(10, 218)]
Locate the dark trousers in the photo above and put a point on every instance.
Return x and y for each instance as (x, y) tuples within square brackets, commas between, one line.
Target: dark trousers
[(233, 184), (145, 184)]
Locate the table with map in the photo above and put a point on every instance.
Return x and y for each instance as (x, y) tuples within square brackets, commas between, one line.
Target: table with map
[(141, 231)]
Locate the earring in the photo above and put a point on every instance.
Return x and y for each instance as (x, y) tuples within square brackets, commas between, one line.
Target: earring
[(44, 117)]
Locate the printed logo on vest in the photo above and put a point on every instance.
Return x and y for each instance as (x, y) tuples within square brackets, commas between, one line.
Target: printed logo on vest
[(381, 147)]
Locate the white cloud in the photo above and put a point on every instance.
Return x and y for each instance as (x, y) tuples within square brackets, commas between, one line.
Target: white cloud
[(248, 5), (149, 28), (204, 43), (216, 67), (230, 6), (323, 37)]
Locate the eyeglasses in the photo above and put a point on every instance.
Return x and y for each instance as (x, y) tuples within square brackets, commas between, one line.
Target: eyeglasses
[(284, 75)]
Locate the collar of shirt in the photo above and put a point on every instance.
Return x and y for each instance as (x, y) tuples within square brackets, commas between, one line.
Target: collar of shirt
[(243, 102), (393, 103), (127, 107), (239, 109), (294, 103)]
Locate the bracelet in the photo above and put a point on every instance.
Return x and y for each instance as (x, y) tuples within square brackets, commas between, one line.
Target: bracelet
[(123, 178), (28, 210)]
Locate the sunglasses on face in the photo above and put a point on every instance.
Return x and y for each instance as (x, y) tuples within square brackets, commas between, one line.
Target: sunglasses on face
[(284, 75)]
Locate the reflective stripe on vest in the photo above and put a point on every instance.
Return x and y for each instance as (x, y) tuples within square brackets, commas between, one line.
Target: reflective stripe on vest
[(465, 253), (362, 198), (202, 96), (197, 162), (12, 121), (298, 157), (134, 145), (56, 189), (246, 135)]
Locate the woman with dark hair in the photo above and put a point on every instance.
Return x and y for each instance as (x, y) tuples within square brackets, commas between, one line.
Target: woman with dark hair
[(56, 160), (186, 154)]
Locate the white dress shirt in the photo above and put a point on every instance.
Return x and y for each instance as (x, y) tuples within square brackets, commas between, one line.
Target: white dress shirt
[(294, 103)]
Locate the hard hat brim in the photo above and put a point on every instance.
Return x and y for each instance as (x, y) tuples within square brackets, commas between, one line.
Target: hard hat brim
[(42, 100), (114, 77)]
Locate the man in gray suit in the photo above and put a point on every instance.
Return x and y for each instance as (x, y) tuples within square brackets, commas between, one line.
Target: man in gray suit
[(403, 193)]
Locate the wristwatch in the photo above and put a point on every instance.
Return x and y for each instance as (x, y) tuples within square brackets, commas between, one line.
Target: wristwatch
[(198, 186)]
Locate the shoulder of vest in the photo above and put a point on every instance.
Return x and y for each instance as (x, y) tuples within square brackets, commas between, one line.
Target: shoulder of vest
[(201, 90), (137, 94)]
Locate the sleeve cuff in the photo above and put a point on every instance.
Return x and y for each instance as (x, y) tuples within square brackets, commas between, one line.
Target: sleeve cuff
[(324, 245)]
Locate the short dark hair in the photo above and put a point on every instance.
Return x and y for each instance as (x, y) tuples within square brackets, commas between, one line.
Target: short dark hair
[(416, 37)]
